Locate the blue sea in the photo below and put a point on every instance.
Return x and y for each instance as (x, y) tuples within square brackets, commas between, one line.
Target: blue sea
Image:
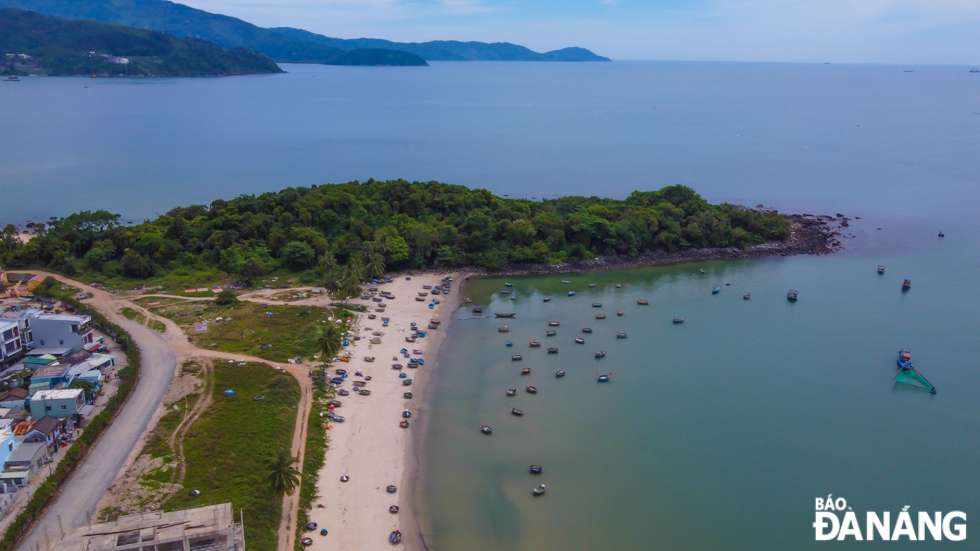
[(718, 433)]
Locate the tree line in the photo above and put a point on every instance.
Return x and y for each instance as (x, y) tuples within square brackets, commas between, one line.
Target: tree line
[(346, 233)]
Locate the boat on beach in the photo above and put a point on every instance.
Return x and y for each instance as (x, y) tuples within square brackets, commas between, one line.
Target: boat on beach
[(477, 309)]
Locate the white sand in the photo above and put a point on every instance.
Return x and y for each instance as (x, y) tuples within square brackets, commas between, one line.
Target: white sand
[(370, 446)]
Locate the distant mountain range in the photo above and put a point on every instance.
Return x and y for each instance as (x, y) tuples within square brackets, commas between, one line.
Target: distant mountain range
[(284, 44), (36, 44)]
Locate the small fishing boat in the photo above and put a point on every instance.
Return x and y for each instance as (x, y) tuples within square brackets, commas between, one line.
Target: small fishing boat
[(509, 343), (579, 340), (547, 299), (505, 292), (485, 429), (395, 537), (678, 320), (403, 424), (368, 358), (909, 375), (539, 491), (517, 412), (397, 366), (551, 333), (603, 378), (511, 391), (571, 293), (516, 358), (600, 354), (407, 382), (391, 488), (620, 313), (343, 392), (619, 285), (503, 329), (791, 295), (467, 300), (393, 509), (591, 285), (536, 469), (531, 389), (586, 329), (513, 298), (941, 234), (746, 296), (881, 269), (323, 531), (306, 541), (344, 478), (565, 282), (505, 315), (600, 316), (477, 309), (907, 284), (526, 371), (534, 344), (620, 335), (508, 284), (560, 373), (427, 287), (597, 305), (553, 350), (553, 324), (715, 290), (406, 414), (642, 302)]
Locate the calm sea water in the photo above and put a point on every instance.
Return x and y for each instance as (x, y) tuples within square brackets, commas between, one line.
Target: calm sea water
[(715, 434)]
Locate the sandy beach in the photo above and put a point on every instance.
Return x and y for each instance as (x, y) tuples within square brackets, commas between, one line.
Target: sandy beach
[(370, 447)]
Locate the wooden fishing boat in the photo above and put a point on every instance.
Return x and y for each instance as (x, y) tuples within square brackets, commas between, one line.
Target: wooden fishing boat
[(485, 429), (603, 378), (678, 320), (791, 295), (516, 358), (565, 282), (517, 412), (526, 371), (536, 469), (571, 293), (408, 395), (620, 335), (586, 329), (619, 285), (511, 391), (747, 296), (553, 350), (531, 389), (503, 329), (600, 316), (505, 315), (597, 305), (642, 302), (539, 491), (620, 313), (560, 373), (403, 424), (591, 285), (881, 269), (551, 333), (579, 340), (907, 284), (534, 344), (406, 414), (715, 290), (547, 299), (600, 354), (553, 323)]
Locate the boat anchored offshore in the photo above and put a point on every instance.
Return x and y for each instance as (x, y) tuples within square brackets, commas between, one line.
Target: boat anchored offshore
[(511, 391), (603, 378), (560, 373), (547, 299), (485, 429), (526, 371), (536, 469), (600, 354), (881, 269), (909, 375), (539, 491), (907, 284), (553, 350), (791, 295), (642, 302), (531, 389), (715, 290), (620, 335), (517, 412), (579, 340), (620, 313), (534, 344)]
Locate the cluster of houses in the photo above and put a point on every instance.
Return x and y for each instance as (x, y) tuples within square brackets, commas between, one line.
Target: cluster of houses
[(42, 355)]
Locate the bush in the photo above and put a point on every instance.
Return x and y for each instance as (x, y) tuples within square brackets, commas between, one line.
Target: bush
[(226, 298)]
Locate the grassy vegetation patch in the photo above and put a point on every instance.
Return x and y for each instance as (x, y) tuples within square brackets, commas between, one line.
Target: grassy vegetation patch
[(228, 446), (157, 326), (313, 459), (291, 330), (133, 315)]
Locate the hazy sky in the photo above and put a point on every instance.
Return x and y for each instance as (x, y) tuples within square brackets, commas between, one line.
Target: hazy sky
[(886, 31)]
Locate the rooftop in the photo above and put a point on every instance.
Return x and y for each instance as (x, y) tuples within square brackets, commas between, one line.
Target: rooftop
[(65, 317), (52, 371), (26, 452), (204, 527), (57, 394)]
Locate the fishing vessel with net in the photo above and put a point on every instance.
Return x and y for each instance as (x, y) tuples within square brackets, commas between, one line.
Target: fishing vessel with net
[(910, 375)]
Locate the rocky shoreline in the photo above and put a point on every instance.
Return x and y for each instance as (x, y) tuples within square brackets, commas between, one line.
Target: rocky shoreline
[(811, 234)]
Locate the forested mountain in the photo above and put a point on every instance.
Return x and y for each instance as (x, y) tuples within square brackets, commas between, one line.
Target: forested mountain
[(285, 45), (38, 44), (367, 227)]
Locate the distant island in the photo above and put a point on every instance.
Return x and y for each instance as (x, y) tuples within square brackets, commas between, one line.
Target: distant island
[(377, 57), (285, 44), (36, 44)]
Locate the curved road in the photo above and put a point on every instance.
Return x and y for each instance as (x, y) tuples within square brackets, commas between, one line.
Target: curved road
[(78, 497)]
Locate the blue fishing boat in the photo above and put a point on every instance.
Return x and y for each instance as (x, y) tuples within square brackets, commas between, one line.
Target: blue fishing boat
[(508, 284), (505, 292), (571, 293), (715, 290), (510, 343), (791, 295), (907, 284), (909, 375)]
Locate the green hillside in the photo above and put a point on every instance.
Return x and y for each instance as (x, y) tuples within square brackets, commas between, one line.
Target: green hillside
[(377, 57), (48, 45)]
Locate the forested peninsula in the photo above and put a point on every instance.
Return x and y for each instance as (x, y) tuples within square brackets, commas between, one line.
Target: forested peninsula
[(343, 233), (37, 44)]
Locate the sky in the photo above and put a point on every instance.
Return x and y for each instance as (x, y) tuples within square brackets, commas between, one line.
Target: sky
[(837, 31)]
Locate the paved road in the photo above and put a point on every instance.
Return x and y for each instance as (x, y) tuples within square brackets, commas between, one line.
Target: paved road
[(78, 498)]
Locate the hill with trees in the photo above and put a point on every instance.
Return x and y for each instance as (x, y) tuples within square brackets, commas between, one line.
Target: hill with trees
[(343, 233), (55, 46)]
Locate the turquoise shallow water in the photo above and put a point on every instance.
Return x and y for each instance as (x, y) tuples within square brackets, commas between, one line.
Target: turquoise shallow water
[(717, 433)]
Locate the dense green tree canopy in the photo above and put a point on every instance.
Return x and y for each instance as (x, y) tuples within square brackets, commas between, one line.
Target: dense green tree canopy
[(359, 229)]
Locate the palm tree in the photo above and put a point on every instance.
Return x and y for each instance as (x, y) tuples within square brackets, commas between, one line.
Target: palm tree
[(283, 476), (375, 264), (386, 243), (328, 341), (328, 262)]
